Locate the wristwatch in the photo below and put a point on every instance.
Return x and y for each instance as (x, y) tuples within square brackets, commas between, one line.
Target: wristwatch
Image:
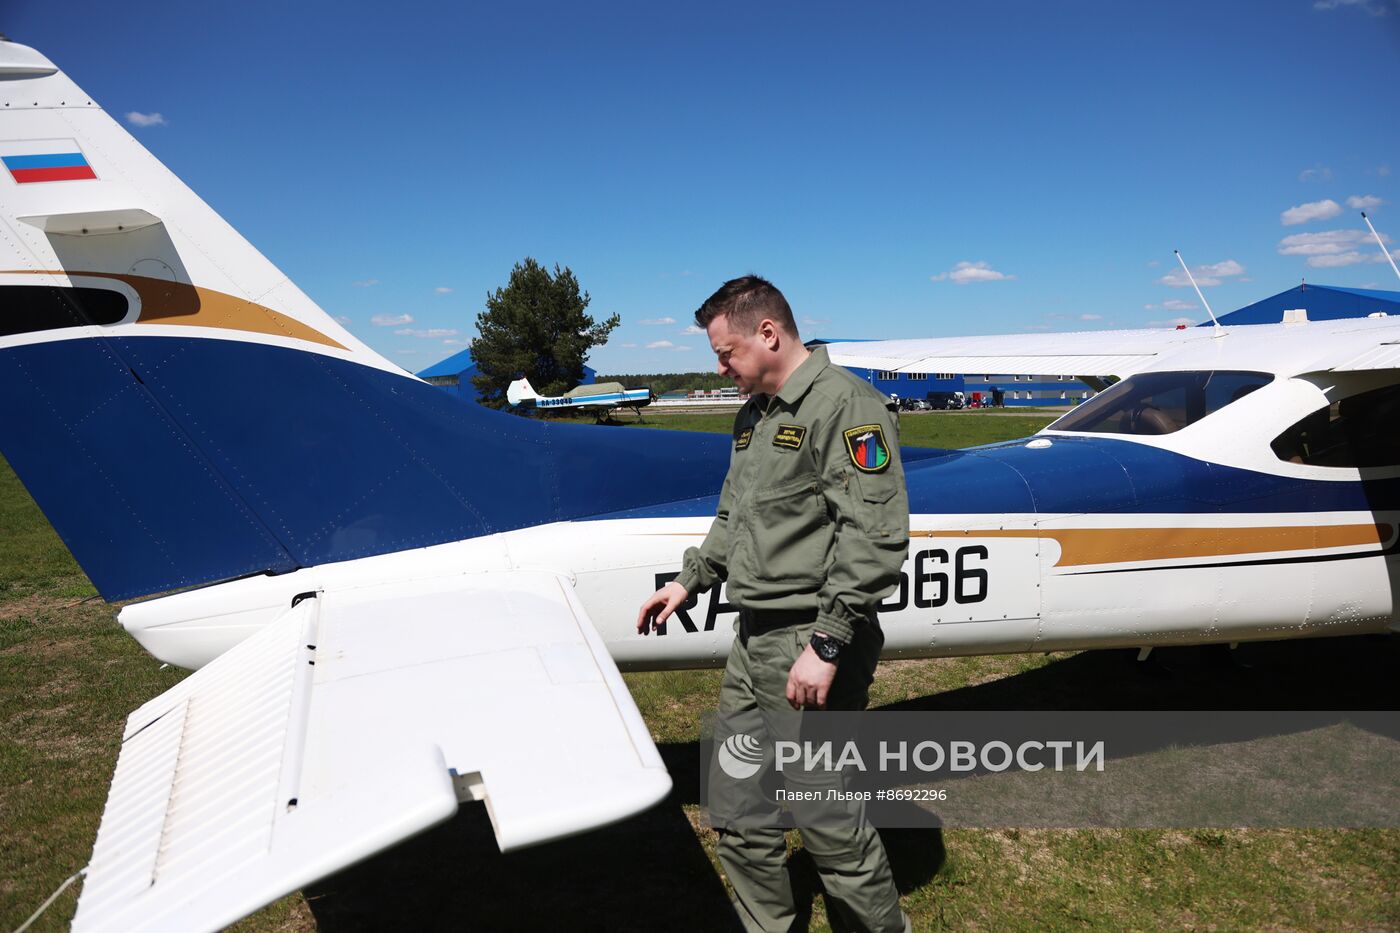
[(826, 647)]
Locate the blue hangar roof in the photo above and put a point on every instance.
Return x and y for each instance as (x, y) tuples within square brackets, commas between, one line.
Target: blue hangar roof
[(1323, 303), (454, 364)]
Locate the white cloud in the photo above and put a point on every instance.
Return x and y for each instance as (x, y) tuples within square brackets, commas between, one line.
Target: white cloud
[(965, 273), (1364, 202), (814, 321), (1172, 304), (365, 283), (683, 349), (431, 333), (342, 319), (692, 330), (1153, 263), (660, 345), (1335, 260), (1212, 273), (136, 118), (391, 320), (1320, 173), (1374, 7), (1383, 171), (442, 290), (457, 342), (656, 321), (1091, 317), (1174, 322), (628, 346), (1330, 249), (1313, 210), (1319, 244)]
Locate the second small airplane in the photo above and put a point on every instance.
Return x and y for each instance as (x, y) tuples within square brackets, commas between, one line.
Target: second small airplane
[(602, 398)]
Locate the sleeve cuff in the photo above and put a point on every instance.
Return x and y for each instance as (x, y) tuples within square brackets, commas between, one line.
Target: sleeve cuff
[(838, 629), (689, 579)]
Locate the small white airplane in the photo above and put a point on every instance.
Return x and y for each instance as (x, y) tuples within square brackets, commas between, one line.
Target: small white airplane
[(600, 397), (394, 602)]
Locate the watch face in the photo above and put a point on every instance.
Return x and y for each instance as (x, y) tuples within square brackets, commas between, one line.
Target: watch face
[(827, 649)]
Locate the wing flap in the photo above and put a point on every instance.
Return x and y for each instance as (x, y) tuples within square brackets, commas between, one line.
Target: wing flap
[(337, 731)]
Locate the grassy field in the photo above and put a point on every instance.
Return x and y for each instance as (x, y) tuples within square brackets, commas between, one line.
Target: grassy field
[(69, 677)]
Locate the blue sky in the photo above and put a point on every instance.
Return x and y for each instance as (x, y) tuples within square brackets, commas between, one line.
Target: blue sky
[(897, 169)]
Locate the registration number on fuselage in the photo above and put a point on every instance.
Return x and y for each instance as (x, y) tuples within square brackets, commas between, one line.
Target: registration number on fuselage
[(933, 578)]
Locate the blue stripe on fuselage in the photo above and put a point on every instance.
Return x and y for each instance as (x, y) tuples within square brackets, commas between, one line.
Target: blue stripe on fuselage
[(1100, 474), (1078, 475)]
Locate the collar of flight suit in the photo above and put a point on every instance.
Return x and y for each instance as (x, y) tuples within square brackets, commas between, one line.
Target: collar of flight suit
[(802, 377)]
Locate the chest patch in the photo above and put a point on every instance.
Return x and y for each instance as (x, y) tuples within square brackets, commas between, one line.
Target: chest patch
[(790, 435), (742, 439), (868, 449)]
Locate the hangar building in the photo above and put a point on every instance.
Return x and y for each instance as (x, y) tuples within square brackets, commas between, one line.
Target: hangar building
[(1322, 302), (455, 375)]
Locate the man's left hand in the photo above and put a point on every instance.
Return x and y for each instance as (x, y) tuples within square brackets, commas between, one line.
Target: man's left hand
[(809, 680)]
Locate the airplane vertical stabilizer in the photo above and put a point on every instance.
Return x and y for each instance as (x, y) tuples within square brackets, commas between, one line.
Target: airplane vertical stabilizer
[(183, 413)]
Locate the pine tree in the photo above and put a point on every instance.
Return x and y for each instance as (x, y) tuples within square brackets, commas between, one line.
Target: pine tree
[(536, 325)]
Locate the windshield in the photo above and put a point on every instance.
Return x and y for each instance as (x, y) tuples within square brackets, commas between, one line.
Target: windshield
[(1160, 403)]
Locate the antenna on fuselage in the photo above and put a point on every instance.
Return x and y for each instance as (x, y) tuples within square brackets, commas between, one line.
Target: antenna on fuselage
[(1381, 243), (1219, 331)]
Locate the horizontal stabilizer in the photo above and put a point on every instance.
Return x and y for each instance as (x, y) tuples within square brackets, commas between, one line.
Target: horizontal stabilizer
[(339, 730)]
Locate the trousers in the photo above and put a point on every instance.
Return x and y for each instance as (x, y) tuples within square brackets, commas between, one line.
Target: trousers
[(849, 855)]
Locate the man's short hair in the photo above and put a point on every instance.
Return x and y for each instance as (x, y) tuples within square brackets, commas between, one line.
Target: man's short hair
[(747, 301)]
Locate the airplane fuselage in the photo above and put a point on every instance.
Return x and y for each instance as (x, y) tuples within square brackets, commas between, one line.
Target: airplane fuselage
[(1154, 563)]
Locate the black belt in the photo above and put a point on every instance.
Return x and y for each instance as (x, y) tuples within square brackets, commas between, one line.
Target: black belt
[(763, 621)]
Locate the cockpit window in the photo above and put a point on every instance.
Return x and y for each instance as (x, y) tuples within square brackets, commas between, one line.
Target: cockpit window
[(1358, 431), (1160, 403)]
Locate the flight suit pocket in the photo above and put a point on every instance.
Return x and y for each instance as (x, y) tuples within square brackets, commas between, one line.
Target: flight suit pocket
[(875, 510), (790, 533)]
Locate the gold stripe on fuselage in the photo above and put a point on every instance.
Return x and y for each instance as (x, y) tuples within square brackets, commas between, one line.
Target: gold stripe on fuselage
[(1081, 546)]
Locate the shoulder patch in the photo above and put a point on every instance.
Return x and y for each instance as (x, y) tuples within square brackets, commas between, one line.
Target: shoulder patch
[(869, 450), (742, 439), (790, 436)]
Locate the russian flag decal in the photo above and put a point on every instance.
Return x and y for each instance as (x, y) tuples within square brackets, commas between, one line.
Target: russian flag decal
[(45, 160)]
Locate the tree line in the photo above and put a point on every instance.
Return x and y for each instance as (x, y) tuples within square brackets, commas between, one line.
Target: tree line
[(661, 383)]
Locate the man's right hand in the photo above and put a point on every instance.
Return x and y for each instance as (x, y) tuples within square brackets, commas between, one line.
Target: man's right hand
[(659, 606)]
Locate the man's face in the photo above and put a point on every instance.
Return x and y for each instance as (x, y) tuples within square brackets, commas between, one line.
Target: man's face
[(741, 356)]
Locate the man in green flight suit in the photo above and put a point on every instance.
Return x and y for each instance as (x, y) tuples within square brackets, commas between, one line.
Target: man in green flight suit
[(810, 534)]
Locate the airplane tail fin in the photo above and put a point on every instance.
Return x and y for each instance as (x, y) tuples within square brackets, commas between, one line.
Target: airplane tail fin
[(183, 413), (521, 391)]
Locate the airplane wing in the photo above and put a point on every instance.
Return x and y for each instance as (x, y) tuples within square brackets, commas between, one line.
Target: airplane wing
[(358, 718), (1091, 353), (1384, 355)]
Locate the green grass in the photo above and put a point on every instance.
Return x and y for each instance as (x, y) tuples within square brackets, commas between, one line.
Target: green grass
[(69, 676)]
